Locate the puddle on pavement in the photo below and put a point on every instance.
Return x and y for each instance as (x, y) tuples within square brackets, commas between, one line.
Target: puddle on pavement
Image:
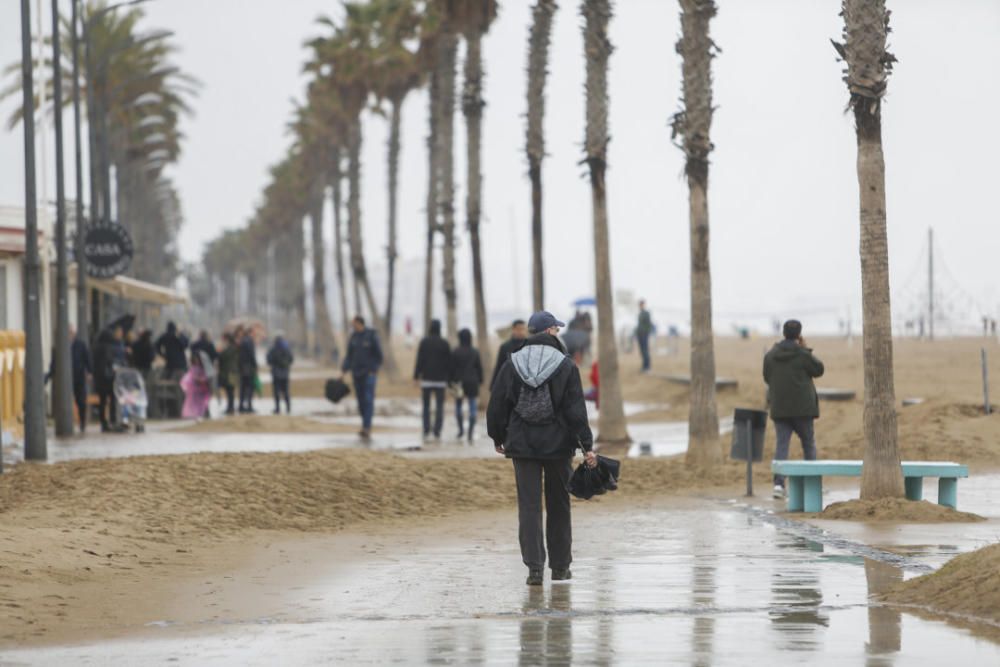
[(684, 583)]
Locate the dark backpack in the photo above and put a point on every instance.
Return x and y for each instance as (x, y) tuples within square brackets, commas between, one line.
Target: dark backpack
[(534, 405)]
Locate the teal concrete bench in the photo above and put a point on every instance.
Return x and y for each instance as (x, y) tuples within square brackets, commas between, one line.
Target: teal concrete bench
[(805, 480)]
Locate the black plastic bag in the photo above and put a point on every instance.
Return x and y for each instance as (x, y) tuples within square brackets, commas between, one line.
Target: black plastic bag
[(335, 390), (588, 482)]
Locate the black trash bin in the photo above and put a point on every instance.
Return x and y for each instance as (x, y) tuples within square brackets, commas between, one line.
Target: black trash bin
[(748, 425)]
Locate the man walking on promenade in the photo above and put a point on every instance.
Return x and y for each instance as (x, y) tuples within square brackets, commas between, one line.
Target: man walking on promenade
[(432, 371), (518, 332), (363, 359), (80, 364), (789, 369), (642, 332), (537, 417), (248, 369)]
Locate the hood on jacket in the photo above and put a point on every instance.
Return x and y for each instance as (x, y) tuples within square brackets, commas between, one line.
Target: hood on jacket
[(536, 362), (787, 350), (434, 329)]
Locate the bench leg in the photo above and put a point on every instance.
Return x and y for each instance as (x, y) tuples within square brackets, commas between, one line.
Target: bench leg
[(948, 492), (914, 488), (814, 494), (795, 494)]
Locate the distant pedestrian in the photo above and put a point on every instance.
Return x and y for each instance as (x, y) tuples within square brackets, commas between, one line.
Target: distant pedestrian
[(143, 354), (205, 344), (171, 347), (104, 364), (643, 330), (789, 369), (229, 371), (467, 374), (363, 360), (432, 371), (247, 364), (518, 332), (538, 418), (80, 364), (280, 359), (197, 388)]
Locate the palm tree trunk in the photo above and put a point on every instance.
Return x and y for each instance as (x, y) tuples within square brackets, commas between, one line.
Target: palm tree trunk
[(394, 123), (472, 107), (694, 125), (446, 127), (323, 330), (868, 65), (538, 57), (597, 49), (338, 254), (354, 232), (297, 283), (432, 197)]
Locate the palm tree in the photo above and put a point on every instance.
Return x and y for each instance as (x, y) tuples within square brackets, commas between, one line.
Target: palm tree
[(474, 20), (347, 60), (445, 127), (336, 199), (433, 227), (866, 24), (398, 71), (693, 124), (137, 99), (597, 49), (538, 58)]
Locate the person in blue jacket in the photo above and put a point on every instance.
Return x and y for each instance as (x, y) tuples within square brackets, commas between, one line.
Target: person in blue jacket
[(363, 360)]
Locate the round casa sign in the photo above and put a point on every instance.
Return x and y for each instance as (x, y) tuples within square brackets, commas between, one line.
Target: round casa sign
[(108, 249)]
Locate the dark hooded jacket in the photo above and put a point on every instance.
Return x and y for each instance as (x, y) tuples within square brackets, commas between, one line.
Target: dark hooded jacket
[(503, 356), (542, 362), (171, 347), (433, 357), (466, 366), (104, 361), (789, 370)]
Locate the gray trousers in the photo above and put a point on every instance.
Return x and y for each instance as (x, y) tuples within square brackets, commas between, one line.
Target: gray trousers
[(558, 529), (802, 427)]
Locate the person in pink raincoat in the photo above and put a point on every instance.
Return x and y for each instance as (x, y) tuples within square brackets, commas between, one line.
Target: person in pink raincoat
[(197, 390)]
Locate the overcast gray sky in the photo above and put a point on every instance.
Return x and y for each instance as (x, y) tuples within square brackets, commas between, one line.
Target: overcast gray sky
[(783, 189)]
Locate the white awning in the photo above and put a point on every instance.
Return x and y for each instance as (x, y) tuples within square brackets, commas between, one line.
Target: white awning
[(136, 290)]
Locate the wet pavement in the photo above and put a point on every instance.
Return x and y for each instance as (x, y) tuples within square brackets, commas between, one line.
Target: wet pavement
[(691, 582)]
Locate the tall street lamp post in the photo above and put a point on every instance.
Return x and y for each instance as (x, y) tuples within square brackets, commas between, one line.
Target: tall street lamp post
[(81, 261), (62, 383), (34, 391)]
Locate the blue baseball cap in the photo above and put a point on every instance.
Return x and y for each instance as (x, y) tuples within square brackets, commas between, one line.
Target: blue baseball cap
[(543, 320)]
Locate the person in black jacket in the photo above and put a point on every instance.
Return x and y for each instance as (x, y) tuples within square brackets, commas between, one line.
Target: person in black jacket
[(205, 344), (518, 332), (432, 371), (248, 368), (537, 417), (143, 354), (467, 373), (80, 364), (363, 360), (105, 355), (171, 347)]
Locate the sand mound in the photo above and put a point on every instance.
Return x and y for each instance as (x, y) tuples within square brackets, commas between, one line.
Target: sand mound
[(968, 585), (896, 509), (209, 494)]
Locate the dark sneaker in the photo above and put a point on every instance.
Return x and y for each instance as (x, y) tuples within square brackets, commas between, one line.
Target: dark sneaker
[(562, 575), (534, 578)]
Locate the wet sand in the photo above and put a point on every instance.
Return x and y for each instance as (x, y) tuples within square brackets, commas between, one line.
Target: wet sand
[(672, 581)]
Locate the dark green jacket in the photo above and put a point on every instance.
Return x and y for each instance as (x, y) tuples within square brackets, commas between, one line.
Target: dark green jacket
[(229, 365), (645, 326), (789, 370)]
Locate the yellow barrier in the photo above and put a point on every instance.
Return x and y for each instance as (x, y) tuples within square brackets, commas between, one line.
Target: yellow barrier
[(12, 382)]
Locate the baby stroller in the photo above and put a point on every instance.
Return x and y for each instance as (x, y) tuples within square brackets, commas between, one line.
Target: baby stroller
[(130, 392)]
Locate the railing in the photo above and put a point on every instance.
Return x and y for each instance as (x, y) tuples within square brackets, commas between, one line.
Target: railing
[(12, 384)]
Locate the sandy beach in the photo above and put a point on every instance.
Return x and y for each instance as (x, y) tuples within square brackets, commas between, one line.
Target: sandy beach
[(99, 541)]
